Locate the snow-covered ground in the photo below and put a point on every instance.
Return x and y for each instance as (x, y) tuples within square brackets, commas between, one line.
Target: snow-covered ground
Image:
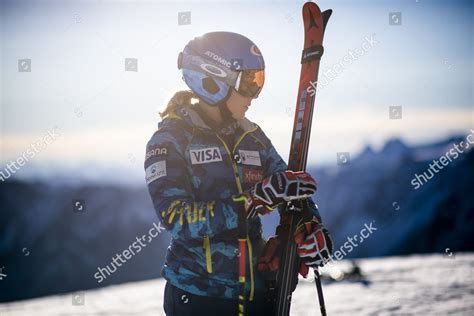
[(414, 285)]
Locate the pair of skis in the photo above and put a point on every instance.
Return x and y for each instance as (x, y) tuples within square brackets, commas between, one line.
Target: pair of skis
[(287, 276)]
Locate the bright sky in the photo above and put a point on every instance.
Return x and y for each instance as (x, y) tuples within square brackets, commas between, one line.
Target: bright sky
[(106, 115)]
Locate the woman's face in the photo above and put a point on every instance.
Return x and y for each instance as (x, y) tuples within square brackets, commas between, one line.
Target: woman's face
[(238, 104)]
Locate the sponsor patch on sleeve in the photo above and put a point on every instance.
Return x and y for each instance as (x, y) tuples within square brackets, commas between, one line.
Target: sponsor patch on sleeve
[(250, 157), (155, 151), (155, 171), (252, 176)]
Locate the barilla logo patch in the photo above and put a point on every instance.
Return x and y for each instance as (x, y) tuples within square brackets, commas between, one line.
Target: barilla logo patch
[(155, 171), (205, 155), (250, 157), (252, 176)]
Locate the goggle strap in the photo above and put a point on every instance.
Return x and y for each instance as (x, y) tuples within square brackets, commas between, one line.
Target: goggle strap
[(237, 82)]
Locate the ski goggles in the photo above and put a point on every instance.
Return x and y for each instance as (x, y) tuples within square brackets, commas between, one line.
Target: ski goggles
[(250, 83), (247, 83)]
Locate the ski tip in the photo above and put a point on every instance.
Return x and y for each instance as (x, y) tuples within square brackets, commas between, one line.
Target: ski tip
[(326, 15), (311, 6), (313, 9)]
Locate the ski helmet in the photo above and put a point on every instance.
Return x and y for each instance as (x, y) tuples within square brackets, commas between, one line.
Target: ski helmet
[(216, 62)]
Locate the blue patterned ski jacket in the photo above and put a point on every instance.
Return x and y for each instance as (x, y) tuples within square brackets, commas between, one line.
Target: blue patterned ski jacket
[(192, 173)]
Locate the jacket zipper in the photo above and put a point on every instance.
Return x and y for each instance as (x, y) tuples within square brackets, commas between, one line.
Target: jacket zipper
[(239, 188), (205, 242)]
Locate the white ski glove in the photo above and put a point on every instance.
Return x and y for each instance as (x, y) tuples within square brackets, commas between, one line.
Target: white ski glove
[(275, 189)]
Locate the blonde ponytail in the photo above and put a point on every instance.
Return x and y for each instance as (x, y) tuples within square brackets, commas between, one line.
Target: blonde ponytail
[(183, 97)]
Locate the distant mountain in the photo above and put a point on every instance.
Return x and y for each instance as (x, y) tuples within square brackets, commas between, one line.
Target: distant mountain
[(376, 186), (46, 247)]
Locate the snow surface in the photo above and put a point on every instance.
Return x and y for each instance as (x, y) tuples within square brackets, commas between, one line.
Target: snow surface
[(414, 285)]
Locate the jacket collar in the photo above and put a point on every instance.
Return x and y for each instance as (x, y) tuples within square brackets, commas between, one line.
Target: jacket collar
[(188, 114)]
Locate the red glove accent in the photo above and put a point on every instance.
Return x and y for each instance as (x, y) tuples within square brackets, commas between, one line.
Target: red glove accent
[(314, 245), (270, 258), (280, 187), (304, 269), (284, 186)]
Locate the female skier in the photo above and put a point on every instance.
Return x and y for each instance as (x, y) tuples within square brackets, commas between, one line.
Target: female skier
[(205, 165)]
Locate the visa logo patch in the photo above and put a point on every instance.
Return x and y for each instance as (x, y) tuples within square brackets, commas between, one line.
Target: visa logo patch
[(205, 155)]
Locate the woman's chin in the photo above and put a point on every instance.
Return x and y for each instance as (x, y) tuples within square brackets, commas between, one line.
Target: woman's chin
[(238, 117)]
